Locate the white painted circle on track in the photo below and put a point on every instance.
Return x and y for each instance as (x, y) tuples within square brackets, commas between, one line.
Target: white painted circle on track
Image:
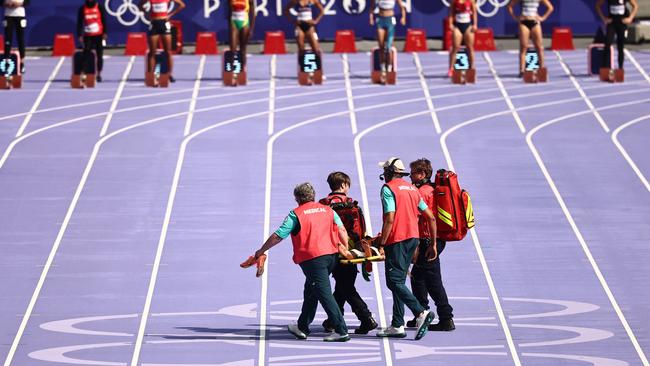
[(354, 352)]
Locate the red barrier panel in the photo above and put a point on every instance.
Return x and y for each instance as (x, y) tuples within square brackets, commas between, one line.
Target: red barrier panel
[(136, 44), (562, 39), (206, 43), (2, 43), (344, 42), (484, 40), (63, 45), (446, 34), (416, 41), (274, 43)]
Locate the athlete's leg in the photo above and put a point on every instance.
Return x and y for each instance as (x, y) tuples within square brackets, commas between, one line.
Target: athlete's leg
[(20, 36), (457, 39), (167, 46), (313, 39), (99, 49), (9, 35), (390, 36), (620, 43), (151, 56), (234, 37), (524, 35), (244, 34), (381, 42), (609, 39), (469, 44), (300, 39), (536, 35)]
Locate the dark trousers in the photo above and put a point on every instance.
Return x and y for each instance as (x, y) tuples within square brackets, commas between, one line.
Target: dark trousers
[(14, 24), (95, 43), (317, 289), (426, 280), (345, 291), (615, 28), (398, 259)]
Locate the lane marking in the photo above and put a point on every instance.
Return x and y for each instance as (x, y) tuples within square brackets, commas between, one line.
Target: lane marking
[(584, 96), (118, 95), (627, 157), (578, 234), (40, 98), (195, 96), (272, 95), (505, 94), (637, 65), (348, 91), (144, 316), (427, 94)]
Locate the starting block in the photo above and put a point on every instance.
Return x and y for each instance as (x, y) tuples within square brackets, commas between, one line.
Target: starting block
[(379, 75), (533, 73), (462, 73), (612, 75), (84, 68), (159, 76), (234, 72), (10, 76), (310, 71)]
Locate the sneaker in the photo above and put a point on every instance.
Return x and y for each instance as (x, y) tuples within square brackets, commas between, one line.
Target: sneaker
[(392, 332), (366, 326), (327, 326), (99, 78), (171, 79), (411, 323), (335, 337), (422, 323), (293, 329), (443, 326)]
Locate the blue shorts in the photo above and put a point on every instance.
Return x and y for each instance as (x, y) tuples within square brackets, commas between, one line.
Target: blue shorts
[(387, 23)]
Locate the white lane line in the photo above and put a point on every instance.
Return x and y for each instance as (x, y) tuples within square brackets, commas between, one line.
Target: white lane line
[(637, 65), (144, 317), (195, 96), (388, 356), (118, 95), (427, 94), (38, 101), (584, 96), (272, 96), (627, 157), (348, 91), (578, 234), (520, 124)]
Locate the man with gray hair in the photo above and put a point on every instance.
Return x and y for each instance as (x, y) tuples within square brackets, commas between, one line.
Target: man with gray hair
[(318, 235)]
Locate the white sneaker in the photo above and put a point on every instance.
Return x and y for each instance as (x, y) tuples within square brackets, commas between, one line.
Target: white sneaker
[(335, 337), (392, 332), (293, 329), (422, 323)]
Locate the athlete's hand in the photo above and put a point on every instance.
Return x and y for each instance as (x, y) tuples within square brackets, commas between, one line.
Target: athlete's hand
[(431, 253), (372, 19), (403, 20), (608, 20), (81, 40), (627, 20), (474, 28)]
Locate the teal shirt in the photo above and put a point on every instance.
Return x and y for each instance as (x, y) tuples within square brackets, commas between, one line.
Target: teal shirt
[(388, 201), (291, 223)]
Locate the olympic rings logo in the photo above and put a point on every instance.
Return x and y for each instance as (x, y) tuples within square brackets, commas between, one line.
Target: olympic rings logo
[(495, 4), (128, 7)]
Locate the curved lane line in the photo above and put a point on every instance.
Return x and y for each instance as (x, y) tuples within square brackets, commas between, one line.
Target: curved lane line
[(627, 157)]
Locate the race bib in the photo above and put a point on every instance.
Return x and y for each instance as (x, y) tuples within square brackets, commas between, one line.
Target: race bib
[(91, 28), (304, 14), (160, 8), (617, 9), (463, 18), (239, 15)]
